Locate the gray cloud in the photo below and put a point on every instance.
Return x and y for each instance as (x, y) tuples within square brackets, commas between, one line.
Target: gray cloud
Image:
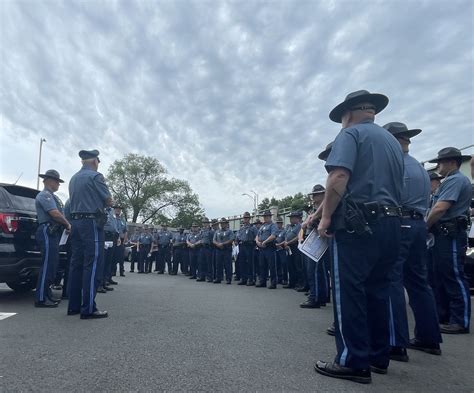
[(230, 96)]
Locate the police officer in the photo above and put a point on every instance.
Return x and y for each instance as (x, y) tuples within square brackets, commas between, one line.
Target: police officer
[(180, 252), (256, 256), (265, 241), (89, 195), (111, 236), (119, 254), (144, 247), (365, 168), (193, 245), (205, 250), (134, 245), (49, 209), (164, 238), (410, 271), (223, 239), (295, 260), (448, 221), (246, 240), (280, 253), (435, 182), (212, 268)]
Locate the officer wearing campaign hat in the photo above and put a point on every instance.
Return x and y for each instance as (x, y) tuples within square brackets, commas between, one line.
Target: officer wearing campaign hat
[(246, 236), (280, 253), (51, 219), (448, 221), (410, 270), (163, 240), (297, 278), (205, 251), (89, 195), (223, 239), (265, 240), (180, 252), (367, 163), (212, 269), (193, 245)]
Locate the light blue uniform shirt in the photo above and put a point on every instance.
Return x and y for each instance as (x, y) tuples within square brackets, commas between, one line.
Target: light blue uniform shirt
[(88, 191), (111, 223), (146, 238), (247, 233), (194, 237), (46, 201), (179, 239), (375, 159), (267, 230), (207, 234), (223, 235), (455, 188), (416, 186), (164, 237), (292, 231)]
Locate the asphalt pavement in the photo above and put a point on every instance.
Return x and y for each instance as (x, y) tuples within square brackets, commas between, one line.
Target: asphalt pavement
[(170, 333)]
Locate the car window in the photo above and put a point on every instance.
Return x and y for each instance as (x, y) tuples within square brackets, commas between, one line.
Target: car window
[(17, 197)]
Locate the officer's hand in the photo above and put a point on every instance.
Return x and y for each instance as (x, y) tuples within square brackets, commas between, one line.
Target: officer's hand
[(323, 227), (119, 242), (68, 228)]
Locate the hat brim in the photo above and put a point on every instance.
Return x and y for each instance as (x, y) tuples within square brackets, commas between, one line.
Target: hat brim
[(378, 100), (408, 133), (463, 158), (317, 192), (51, 177), (324, 155)]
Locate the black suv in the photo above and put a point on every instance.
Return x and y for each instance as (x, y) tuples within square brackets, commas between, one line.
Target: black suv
[(20, 257)]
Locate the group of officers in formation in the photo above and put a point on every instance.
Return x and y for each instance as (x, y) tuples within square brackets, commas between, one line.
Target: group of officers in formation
[(390, 226)]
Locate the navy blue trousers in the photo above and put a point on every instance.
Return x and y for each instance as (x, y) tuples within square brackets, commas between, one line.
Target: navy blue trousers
[(163, 258), (361, 283), (143, 259), (451, 286), (181, 258), (318, 280), (268, 263), (282, 265), (49, 246), (87, 246), (410, 271), (246, 255), (224, 262), (205, 258), (193, 261)]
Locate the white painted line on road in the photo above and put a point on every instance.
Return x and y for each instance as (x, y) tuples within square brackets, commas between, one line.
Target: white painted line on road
[(5, 315)]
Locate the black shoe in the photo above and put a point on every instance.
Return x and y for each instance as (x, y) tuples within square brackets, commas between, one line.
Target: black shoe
[(378, 370), (229, 282), (273, 286), (301, 289), (65, 297), (57, 287), (160, 272), (140, 272), (112, 282), (453, 329), (107, 288), (210, 280), (310, 304), (132, 271), (399, 354), (250, 283), (73, 312), (122, 274), (95, 315), (284, 282), (242, 282), (432, 349), (46, 304), (261, 285), (288, 286), (331, 330), (55, 299), (217, 281), (335, 371), (200, 280), (192, 277), (101, 290)]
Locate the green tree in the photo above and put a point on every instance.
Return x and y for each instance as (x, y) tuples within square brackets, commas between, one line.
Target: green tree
[(142, 186)]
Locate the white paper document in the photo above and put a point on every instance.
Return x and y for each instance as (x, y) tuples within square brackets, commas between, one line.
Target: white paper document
[(64, 238), (314, 246), (471, 231), (108, 245)]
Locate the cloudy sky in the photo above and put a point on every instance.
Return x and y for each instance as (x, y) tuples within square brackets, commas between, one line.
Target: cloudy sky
[(231, 96)]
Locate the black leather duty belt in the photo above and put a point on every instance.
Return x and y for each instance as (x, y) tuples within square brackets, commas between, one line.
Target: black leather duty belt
[(410, 213), (81, 216)]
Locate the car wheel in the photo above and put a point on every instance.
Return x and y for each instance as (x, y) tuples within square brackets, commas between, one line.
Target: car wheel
[(21, 286)]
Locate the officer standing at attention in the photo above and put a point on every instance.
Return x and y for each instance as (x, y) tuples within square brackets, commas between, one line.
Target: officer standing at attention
[(193, 244), (212, 268), (123, 239), (448, 221), (144, 247), (89, 196), (247, 234), (223, 239), (410, 270), (180, 252), (365, 169), (111, 236), (280, 253), (205, 251), (134, 241), (295, 260), (49, 209), (265, 241), (164, 238)]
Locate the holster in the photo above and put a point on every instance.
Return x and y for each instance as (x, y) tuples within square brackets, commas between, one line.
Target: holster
[(101, 218), (54, 229)]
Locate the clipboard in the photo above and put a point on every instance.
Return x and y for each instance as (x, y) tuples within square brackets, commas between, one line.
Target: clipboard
[(64, 238), (314, 246)]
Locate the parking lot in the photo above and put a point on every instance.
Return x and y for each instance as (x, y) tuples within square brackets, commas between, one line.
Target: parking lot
[(169, 333)]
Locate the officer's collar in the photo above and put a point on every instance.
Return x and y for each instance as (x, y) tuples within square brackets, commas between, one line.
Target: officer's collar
[(87, 166), (453, 172), (48, 189), (365, 121)]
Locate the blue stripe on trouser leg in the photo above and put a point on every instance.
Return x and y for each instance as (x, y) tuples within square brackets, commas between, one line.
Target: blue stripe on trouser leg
[(94, 268), (392, 326), (44, 267), (461, 285)]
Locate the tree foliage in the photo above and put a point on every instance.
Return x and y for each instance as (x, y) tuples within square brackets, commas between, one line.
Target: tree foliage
[(142, 186), (298, 201)]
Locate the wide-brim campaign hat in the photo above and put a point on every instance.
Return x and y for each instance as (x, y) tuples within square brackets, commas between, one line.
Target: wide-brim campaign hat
[(257, 222), (379, 101), (265, 213), (246, 215), (205, 220), (325, 153), (194, 224), (89, 154), (435, 176), (224, 220), (296, 213), (51, 174), (279, 219), (214, 221), (317, 189), (450, 153), (398, 129)]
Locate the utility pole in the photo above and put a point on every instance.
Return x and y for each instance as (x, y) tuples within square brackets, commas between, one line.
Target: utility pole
[(39, 162)]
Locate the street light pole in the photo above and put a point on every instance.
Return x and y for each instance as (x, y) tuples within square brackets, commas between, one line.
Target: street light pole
[(255, 201), (39, 162)]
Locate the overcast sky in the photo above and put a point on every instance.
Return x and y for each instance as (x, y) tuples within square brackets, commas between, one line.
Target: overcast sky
[(231, 96)]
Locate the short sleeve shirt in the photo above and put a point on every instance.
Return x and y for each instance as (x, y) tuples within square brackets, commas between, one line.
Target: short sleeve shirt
[(88, 191), (416, 186), (456, 188), (222, 235), (46, 201), (111, 223), (267, 230), (292, 231)]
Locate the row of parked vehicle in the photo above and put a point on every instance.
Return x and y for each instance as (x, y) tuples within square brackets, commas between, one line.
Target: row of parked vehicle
[(20, 257)]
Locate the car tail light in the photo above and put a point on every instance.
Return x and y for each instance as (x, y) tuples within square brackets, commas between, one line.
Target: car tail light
[(8, 222)]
